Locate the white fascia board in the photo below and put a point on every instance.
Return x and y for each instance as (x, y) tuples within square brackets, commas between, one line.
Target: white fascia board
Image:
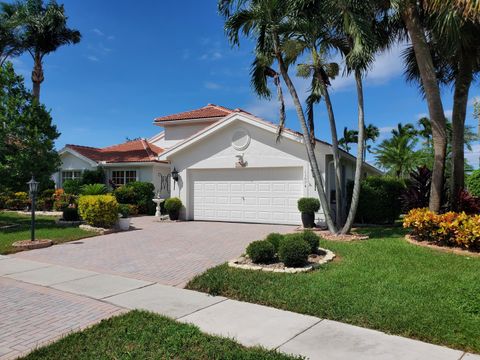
[(221, 124), (157, 137), (133, 163), (164, 123)]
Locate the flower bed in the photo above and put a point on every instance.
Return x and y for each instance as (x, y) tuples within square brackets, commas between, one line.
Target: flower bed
[(449, 229)]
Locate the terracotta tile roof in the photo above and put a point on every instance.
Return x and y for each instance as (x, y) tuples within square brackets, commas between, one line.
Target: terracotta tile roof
[(209, 111), (131, 151)]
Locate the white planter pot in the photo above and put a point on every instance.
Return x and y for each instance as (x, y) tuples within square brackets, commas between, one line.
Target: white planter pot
[(124, 224)]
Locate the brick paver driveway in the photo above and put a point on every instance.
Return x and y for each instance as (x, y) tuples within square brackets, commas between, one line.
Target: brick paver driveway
[(167, 253)]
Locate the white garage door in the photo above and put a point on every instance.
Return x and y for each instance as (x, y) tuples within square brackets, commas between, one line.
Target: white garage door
[(263, 195)]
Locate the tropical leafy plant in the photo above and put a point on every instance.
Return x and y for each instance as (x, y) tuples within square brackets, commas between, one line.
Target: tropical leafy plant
[(94, 189), (417, 193)]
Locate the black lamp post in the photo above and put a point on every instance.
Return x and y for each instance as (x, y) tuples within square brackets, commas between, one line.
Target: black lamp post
[(33, 187)]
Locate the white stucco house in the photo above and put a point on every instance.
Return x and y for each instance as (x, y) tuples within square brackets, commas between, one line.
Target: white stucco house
[(230, 166)]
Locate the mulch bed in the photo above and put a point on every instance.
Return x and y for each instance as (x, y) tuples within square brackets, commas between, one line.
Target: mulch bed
[(327, 235), (30, 245), (455, 250)]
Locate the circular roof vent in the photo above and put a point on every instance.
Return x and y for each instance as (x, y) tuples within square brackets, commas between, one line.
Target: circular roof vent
[(240, 139)]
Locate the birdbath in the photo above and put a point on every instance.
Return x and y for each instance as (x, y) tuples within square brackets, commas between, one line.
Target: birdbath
[(158, 201)]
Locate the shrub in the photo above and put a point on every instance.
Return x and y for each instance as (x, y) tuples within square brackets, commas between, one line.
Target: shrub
[(94, 189), (173, 205), (63, 200), (473, 183), (124, 210), (70, 214), (133, 209), (72, 186), (468, 203), (4, 197), (137, 193), (451, 228), (261, 252), (308, 205), (293, 251), (417, 193), (17, 201), (98, 210), (379, 201), (275, 239), (96, 176), (312, 240)]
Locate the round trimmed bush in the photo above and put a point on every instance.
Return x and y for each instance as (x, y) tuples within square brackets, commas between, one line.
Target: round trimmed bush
[(98, 210), (293, 251), (308, 205), (275, 239), (312, 240), (261, 252), (173, 207)]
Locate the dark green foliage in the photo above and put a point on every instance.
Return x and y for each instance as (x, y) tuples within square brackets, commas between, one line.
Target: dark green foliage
[(308, 205), (379, 201), (94, 189), (124, 210), (417, 193), (261, 252), (173, 205), (473, 183), (27, 136), (275, 239), (96, 176), (294, 251), (144, 335), (73, 186), (137, 193), (312, 240), (70, 214)]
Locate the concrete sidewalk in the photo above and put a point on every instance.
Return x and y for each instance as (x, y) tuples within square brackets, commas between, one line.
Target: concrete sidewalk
[(249, 324)]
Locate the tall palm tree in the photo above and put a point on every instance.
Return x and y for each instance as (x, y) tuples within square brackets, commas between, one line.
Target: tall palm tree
[(43, 30), (349, 137), (410, 12), (10, 44), (397, 154), (266, 22)]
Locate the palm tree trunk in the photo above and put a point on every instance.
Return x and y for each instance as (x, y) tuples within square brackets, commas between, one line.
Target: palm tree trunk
[(359, 162), (306, 139), (460, 101), (432, 93), (37, 75), (336, 158)]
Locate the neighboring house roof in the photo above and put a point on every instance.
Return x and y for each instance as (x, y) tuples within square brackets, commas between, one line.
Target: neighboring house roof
[(206, 112), (131, 151)]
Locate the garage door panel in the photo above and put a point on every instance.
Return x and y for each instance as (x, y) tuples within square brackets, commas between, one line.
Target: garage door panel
[(249, 195)]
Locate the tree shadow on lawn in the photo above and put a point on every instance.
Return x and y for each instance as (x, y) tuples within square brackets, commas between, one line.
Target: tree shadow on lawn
[(383, 232)]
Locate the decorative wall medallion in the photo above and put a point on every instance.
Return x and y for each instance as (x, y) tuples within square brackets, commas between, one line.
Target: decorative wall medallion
[(240, 139)]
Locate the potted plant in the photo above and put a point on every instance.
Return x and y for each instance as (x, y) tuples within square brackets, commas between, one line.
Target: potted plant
[(124, 217), (173, 207), (308, 207)]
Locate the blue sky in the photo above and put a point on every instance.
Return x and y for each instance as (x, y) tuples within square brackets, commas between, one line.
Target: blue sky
[(140, 60)]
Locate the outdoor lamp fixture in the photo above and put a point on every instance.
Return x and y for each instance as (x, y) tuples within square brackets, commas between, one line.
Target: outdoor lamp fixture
[(174, 177), (33, 187)]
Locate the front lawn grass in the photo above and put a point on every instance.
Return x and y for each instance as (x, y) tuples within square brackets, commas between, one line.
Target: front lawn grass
[(144, 335), (383, 283), (45, 229)]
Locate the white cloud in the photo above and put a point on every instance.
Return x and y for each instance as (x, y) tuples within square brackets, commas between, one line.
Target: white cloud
[(448, 113), (98, 32), (93, 58), (110, 37), (472, 100), (212, 85)]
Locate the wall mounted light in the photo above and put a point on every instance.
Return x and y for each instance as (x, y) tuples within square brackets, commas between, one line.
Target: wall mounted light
[(174, 177)]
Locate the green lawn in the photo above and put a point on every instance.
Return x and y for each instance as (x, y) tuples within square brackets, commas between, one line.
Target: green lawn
[(383, 283), (45, 229), (143, 335)]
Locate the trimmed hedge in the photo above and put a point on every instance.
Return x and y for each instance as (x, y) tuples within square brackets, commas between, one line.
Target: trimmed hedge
[(137, 193), (173, 205), (312, 240), (308, 205), (473, 183), (73, 187), (98, 210), (261, 252), (275, 239), (294, 251), (379, 201)]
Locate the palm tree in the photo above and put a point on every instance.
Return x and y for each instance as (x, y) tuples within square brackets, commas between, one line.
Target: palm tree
[(398, 155), (349, 137), (409, 11), (10, 44), (43, 30), (266, 22), (371, 134)]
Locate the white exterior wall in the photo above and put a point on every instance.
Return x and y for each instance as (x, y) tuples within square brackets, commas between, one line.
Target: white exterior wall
[(217, 152), (176, 133), (70, 162)]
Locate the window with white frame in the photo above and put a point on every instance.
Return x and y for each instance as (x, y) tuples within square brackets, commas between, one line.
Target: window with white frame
[(71, 175), (122, 177)]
